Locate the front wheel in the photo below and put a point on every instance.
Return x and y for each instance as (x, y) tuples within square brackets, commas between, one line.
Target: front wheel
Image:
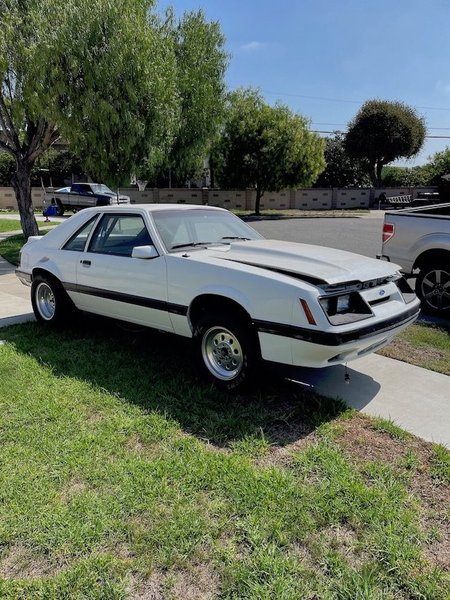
[(51, 305), (227, 351), (433, 288)]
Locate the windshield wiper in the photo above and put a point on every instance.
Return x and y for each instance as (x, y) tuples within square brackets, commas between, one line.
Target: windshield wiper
[(235, 237), (192, 245)]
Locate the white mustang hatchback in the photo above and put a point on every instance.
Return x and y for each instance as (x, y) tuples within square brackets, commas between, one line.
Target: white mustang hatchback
[(202, 273)]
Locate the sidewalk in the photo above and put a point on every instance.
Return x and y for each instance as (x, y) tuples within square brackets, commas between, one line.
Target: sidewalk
[(415, 399), (15, 303)]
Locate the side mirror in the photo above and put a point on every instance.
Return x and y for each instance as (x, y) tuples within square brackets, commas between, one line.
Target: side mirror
[(144, 252)]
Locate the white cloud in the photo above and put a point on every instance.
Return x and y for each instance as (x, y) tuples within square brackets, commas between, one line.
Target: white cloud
[(253, 46), (443, 87)]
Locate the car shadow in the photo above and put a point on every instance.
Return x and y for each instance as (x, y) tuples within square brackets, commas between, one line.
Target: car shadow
[(155, 371), (356, 389)]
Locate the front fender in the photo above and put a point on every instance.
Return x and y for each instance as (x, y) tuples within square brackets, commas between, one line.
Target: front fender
[(226, 292)]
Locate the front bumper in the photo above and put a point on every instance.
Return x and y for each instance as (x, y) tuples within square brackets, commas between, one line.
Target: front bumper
[(24, 277), (310, 348)]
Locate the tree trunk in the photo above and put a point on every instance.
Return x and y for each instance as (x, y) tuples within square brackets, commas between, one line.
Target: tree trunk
[(259, 195), (380, 166), (22, 187), (372, 172)]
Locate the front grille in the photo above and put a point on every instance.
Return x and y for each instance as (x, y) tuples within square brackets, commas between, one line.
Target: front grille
[(358, 286)]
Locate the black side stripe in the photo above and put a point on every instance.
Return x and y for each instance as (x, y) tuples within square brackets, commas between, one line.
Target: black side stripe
[(176, 309), (323, 338), (326, 338)]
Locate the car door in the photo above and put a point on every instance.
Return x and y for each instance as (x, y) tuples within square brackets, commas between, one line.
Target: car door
[(111, 282), (82, 195)]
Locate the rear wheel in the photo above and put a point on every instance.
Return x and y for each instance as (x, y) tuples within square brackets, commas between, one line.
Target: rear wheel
[(60, 207), (227, 351), (433, 288), (51, 304)]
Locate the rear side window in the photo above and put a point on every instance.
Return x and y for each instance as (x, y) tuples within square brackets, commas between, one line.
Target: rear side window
[(78, 241), (81, 188)]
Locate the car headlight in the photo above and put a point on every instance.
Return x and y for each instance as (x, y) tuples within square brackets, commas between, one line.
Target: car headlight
[(406, 291), (345, 308)]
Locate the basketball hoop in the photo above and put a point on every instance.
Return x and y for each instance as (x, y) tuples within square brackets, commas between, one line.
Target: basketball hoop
[(141, 184)]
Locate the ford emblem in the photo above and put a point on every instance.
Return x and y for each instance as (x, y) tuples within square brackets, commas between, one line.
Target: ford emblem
[(381, 292)]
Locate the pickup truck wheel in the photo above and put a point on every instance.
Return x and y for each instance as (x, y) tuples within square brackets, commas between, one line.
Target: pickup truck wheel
[(60, 207), (433, 288), (227, 351), (51, 305)]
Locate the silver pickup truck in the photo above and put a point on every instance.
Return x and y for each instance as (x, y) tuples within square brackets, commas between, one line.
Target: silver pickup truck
[(84, 195), (418, 239)]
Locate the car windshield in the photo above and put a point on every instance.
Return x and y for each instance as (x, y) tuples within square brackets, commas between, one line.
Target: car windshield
[(200, 227), (101, 188)]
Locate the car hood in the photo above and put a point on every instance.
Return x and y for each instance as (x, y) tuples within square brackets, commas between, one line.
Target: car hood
[(313, 263)]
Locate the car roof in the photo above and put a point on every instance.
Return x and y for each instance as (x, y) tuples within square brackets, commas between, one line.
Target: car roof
[(154, 207)]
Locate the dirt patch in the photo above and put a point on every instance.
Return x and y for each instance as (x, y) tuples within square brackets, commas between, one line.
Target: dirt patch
[(73, 487), (361, 442), (281, 456), (146, 589), (341, 538), (198, 583), (20, 562)]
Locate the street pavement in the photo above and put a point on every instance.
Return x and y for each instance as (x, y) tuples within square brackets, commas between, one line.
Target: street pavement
[(416, 399)]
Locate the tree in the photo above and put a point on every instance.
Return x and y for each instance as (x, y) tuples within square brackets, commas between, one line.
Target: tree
[(341, 169), (59, 165), (384, 131), (405, 176), (101, 75), (438, 166), (200, 66), (6, 168), (266, 147)]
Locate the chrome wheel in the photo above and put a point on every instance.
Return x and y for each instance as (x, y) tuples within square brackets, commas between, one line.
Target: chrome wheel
[(45, 301), (435, 289), (222, 353)]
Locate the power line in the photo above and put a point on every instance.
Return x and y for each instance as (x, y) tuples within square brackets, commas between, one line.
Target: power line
[(345, 125), (341, 99), (442, 137)]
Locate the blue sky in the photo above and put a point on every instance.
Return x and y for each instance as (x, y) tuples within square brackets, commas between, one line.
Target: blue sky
[(323, 58)]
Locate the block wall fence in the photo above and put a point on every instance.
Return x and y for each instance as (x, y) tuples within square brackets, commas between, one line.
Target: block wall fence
[(301, 199)]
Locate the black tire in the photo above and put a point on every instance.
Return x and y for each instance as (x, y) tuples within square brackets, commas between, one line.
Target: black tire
[(60, 207), (433, 288), (227, 351), (52, 306)]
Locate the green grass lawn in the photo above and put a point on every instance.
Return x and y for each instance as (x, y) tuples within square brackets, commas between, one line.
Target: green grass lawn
[(13, 225), (124, 476), (9, 225), (10, 248), (423, 344)]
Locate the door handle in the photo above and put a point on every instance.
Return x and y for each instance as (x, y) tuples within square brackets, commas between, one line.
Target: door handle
[(85, 263)]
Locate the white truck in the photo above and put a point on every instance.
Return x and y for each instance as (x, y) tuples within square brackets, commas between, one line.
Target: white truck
[(418, 239), (84, 195)]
